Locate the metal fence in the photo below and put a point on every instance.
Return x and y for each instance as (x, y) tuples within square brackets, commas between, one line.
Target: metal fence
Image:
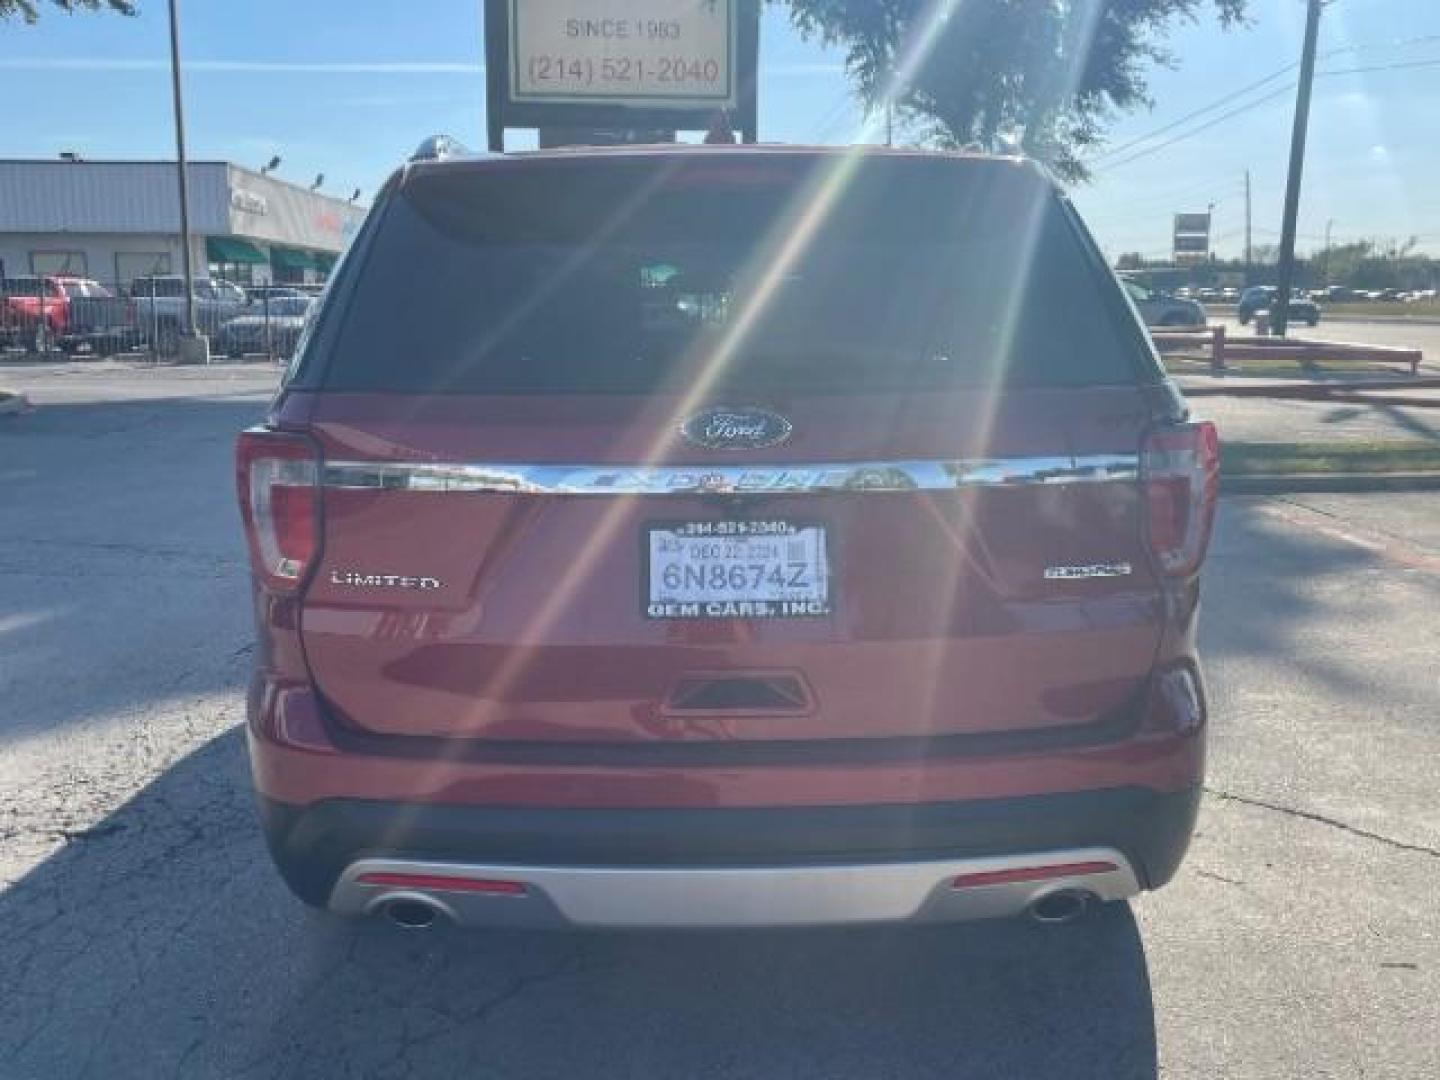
[(144, 319)]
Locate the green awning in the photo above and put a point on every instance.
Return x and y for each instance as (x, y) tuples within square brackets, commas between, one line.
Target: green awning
[(325, 263), (226, 249), (291, 259)]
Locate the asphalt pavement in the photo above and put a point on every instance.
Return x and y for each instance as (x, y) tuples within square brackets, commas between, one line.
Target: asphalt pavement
[(1257, 419), (147, 936)]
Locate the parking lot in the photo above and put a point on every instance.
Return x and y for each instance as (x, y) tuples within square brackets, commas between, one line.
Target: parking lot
[(147, 936)]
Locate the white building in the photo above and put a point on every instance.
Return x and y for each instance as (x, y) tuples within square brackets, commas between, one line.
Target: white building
[(116, 221)]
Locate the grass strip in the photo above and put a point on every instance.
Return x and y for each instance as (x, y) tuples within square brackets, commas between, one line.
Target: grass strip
[(1350, 456)]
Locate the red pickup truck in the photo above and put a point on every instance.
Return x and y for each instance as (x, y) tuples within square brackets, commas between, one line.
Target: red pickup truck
[(35, 309)]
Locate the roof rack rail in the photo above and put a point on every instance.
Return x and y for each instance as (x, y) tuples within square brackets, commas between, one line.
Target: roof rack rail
[(439, 148)]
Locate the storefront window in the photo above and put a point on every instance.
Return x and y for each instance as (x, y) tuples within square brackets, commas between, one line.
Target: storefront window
[(68, 263), (130, 265)]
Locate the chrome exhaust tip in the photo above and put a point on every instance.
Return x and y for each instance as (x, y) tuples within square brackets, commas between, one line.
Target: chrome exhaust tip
[(411, 913), (1061, 906)]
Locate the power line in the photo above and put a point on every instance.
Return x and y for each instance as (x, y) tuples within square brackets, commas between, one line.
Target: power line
[(1398, 66), (1423, 39), (1196, 131), (1114, 151), (1256, 103), (1262, 100), (1215, 191)]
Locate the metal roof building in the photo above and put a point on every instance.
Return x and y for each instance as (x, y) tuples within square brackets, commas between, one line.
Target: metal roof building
[(120, 220)]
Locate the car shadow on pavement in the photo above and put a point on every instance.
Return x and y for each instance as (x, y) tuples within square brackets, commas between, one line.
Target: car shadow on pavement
[(160, 942), (1405, 421), (123, 571), (1271, 579)]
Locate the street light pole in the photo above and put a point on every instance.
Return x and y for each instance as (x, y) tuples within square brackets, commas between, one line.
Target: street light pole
[(1286, 276), (180, 166)]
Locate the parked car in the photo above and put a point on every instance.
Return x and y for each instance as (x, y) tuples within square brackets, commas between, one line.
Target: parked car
[(679, 561), (35, 309), (159, 307), (1262, 298), (269, 327), (102, 323), (258, 294), (1162, 309)]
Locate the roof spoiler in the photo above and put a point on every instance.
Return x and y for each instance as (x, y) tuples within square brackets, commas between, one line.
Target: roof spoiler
[(439, 148)]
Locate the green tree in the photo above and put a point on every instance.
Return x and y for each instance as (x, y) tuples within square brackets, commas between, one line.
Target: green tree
[(1045, 76), (29, 10)]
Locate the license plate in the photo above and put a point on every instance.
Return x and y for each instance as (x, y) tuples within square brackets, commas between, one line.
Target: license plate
[(737, 570)]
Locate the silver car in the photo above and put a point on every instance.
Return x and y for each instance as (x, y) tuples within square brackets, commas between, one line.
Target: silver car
[(1162, 309), (268, 327)]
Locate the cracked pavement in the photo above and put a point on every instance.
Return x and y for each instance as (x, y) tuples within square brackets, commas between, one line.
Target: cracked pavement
[(145, 934)]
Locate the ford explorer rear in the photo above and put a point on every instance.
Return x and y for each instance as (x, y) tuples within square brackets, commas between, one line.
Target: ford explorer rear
[(726, 536)]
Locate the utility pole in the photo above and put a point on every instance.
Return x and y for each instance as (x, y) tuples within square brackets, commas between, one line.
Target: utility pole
[(1329, 229), (188, 352), (1280, 317), (1249, 252)]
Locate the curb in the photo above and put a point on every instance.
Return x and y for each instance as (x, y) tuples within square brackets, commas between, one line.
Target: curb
[(1278, 483)]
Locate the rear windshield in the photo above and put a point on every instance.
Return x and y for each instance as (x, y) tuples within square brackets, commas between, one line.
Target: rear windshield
[(812, 275)]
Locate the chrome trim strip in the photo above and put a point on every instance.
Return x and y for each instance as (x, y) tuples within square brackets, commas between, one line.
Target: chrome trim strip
[(727, 896), (733, 479)]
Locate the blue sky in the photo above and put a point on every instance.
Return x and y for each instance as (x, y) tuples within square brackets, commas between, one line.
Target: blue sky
[(349, 88)]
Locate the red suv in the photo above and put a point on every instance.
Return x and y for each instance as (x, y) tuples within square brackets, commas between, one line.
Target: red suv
[(717, 536)]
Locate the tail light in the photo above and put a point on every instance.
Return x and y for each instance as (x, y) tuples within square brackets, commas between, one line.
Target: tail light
[(278, 477), (1180, 467)]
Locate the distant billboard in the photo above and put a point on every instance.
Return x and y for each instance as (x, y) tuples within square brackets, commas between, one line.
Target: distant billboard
[(1192, 223), (1191, 238)]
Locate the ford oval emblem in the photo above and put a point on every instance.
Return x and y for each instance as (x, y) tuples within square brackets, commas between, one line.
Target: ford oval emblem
[(723, 427)]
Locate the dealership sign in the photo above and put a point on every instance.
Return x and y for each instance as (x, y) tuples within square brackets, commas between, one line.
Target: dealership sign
[(662, 64), (653, 51)]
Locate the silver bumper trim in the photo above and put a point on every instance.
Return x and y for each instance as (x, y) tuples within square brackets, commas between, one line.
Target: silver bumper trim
[(714, 897), (733, 479)]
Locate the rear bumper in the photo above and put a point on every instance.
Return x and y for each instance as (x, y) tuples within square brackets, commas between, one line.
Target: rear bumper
[(731, 866), (940, 890)]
